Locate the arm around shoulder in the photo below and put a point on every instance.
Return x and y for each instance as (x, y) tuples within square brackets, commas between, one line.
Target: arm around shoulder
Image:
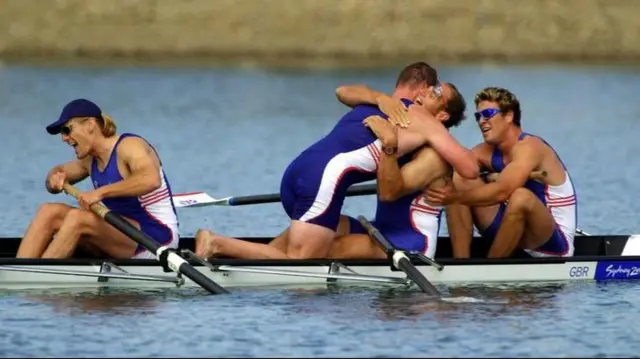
[(463, 160), (354, 95)]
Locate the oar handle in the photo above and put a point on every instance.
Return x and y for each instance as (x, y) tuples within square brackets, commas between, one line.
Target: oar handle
[(96, 208), (165, 256)]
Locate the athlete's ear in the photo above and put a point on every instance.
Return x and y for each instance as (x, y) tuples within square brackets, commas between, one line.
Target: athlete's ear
[(93, 125), (442, 116), (508, 116)]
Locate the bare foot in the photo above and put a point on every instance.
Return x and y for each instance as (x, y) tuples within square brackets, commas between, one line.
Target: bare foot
[(206, 244)]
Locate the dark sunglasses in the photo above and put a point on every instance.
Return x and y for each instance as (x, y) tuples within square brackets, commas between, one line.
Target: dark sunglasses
[(486, 114), (66, 130)]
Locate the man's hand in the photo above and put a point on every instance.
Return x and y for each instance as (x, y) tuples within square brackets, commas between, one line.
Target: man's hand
[(86, 199), (384, 131), (55, 182), (394, 109), (441, 196)]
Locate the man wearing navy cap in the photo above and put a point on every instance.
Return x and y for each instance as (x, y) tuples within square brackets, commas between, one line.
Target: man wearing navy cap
[(127, 178)]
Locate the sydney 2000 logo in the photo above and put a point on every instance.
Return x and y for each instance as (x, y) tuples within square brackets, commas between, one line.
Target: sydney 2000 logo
[(620, 271)]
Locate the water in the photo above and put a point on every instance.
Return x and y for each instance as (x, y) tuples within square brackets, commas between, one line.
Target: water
[(552, 320), (232, 132)]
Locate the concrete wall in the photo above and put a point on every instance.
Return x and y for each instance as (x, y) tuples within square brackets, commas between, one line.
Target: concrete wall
[(364, 31)]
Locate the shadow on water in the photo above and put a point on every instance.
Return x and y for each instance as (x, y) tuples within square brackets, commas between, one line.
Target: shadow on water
[(483, 301), (110, 301), (400, 303)]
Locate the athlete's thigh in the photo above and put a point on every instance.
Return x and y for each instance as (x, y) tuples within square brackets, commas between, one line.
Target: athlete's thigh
[(86, 247), (355, 246), (282, 240), (108, 239), (539, 225), (485, 217)]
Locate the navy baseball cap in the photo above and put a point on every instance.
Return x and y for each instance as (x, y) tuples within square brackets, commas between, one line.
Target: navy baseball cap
[(76, 108)]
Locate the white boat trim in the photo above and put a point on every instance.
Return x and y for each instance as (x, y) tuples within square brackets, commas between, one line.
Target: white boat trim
[(599, 258)]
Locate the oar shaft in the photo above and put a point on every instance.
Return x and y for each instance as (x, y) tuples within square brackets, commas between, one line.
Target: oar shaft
[(404, 264), (174, 261), (400, 260), (359, 190)]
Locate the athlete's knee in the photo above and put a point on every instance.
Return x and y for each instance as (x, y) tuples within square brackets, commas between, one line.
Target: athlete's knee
[(78, 219), (201, 233), (463, 184), (52, 213), (521, 200), (308, 240)]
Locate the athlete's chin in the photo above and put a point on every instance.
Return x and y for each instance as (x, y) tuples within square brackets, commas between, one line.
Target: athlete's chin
[(488, 138), (81, 155)]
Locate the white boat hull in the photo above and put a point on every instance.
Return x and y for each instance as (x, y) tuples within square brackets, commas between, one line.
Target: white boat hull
[(87, 276)]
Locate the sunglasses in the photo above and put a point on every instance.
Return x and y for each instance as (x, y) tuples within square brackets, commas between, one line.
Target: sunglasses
[(486, 114), (66, 130)]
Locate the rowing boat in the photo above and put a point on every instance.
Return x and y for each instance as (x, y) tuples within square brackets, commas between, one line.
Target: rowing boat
[(610, 257)]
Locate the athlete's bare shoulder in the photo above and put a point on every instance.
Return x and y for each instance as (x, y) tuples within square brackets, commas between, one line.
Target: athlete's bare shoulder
[(133, 146), (532, 145)]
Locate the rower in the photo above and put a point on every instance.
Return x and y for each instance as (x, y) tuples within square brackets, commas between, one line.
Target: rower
[(127, 177), (402, 214), (514, 211), (314, 185)]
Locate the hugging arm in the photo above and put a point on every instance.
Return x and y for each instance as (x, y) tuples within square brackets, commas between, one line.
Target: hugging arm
[(354, 95)]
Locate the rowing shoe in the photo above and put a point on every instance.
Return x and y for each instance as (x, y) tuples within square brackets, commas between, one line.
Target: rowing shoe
[(167, 257), (400, 259)]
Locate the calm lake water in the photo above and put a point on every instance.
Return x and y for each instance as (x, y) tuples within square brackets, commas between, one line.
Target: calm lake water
[(232, 132)]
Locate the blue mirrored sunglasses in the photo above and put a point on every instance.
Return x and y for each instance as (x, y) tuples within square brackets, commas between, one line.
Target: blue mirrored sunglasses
[(486, 114)]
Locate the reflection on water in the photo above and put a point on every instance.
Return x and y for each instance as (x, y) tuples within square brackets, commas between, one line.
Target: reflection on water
[(340, 320), (101, 302), (485, 301)]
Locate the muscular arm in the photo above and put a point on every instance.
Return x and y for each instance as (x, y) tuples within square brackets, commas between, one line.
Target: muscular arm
[(395, 182), (75, 171), (460, 158), (525, 158), (144, 170), (354, 95)]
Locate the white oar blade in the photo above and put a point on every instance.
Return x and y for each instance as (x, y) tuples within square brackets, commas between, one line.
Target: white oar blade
[(197, 199)]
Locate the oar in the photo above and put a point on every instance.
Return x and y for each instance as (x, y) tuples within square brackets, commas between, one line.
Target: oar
[(173, 260), (202, 199), (400, 259)]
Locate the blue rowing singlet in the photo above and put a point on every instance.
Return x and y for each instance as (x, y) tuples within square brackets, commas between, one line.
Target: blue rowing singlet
[(314, 185), (561, 201), (154, 211)]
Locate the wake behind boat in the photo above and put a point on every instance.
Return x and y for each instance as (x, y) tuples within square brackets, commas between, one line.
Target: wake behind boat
[(599, 258)]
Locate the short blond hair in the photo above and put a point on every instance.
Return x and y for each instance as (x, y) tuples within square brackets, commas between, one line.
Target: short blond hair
[(505, 99)]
